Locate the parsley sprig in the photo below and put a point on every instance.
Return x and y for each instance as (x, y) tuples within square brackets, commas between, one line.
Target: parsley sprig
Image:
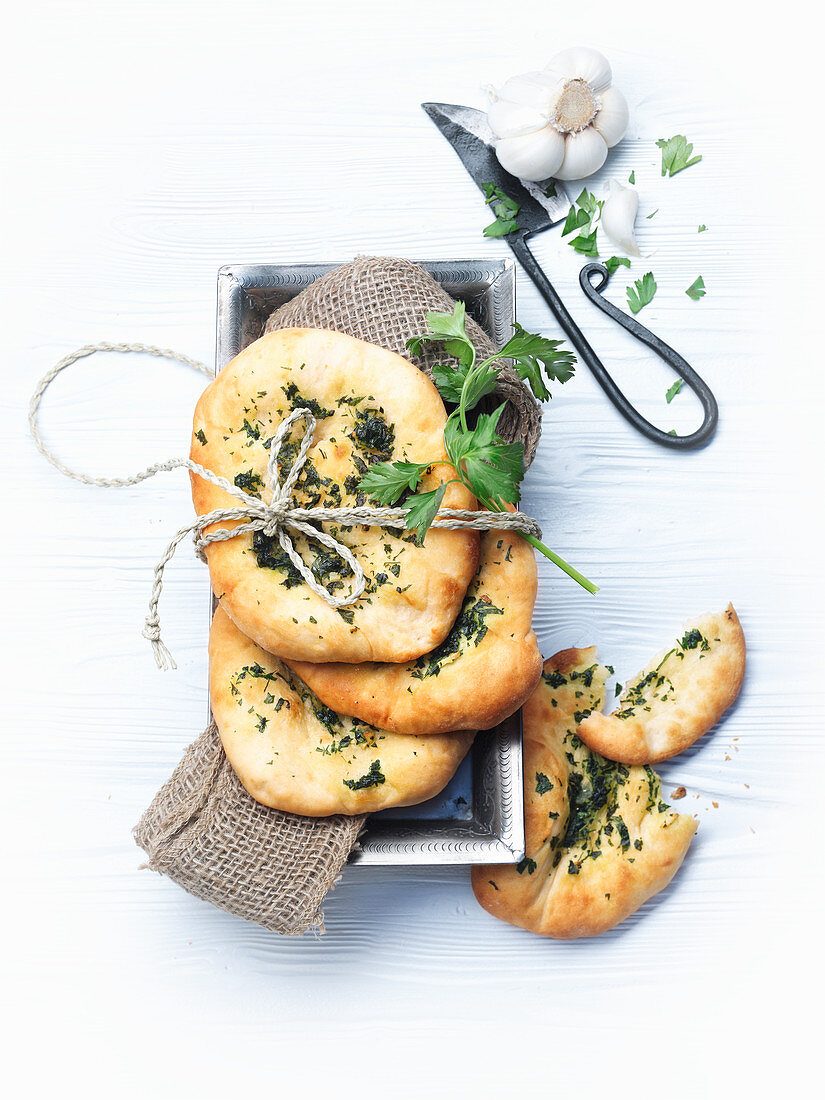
[(488, 466)]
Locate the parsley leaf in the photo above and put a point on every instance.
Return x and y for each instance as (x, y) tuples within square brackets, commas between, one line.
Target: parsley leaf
[(493, 469), (448, 328), (615, 262), (674, 389), (583, 215), (421, 510), (505, 210), (528, 350), (463, 383), (702, 229), (696, 290), (632, 177), (653, 215), (641, 293), (387, 481), (586, 244), (676, 154)]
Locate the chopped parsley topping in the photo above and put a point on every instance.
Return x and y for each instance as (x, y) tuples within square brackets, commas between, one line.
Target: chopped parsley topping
[(373, 778), (543, 784)]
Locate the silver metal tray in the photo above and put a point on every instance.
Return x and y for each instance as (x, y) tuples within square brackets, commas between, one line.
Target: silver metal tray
[(479, 816)]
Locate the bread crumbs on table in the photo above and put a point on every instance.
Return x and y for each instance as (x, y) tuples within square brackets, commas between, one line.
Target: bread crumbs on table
[(715, 805), (680, 792)]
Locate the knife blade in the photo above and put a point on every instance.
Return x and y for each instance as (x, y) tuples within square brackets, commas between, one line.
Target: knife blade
[(542, 205)]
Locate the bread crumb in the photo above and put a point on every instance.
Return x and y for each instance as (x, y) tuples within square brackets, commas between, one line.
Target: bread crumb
[(680, 792), (715, 805)]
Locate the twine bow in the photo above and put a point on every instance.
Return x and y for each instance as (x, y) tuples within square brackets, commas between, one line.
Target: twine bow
[(278, 518)]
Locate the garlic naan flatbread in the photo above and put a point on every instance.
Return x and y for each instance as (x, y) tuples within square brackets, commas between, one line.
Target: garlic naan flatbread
[(370, 406), (600, 840), (294, 754), (481, 673), (677, 698)]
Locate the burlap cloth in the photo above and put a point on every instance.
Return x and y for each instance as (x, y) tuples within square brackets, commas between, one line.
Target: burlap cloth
[(202, 829)]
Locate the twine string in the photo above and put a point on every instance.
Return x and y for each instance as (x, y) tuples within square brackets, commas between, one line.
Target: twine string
[(278, 518)]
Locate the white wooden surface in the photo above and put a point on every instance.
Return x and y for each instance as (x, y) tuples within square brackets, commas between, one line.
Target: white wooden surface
[(146, 145)]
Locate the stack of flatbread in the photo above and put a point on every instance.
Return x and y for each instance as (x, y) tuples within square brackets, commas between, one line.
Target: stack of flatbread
[(324, 710), (327, 710)]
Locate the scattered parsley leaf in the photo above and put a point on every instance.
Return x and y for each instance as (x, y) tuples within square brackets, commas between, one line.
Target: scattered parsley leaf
[(672, 431), (583, 215), (201, 438), (421, 510), (387, 481), (676, 154), (586, 244), (448, 328), (632, 177), (550, 191), (653, 215), (618, 689), (615, 262), (674, 389), (696, 290), (505, 210), (702, 229), (529, 350), (641, 293)]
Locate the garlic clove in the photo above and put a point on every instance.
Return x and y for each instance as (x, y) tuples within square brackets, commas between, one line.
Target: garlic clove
[(534, 156), (584, 154), (619, 217), (612, 119), (583, 63), (508, 119)]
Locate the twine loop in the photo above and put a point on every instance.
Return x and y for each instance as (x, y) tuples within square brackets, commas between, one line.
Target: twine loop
[(279, 518)]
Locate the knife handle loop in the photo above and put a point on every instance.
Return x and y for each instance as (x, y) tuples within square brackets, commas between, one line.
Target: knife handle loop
[(665, 352), (574, 334)]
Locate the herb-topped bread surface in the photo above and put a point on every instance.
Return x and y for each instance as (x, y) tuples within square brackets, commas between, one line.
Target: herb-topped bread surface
[(293, 753), (370, 406), (481, 673), (599, 839)]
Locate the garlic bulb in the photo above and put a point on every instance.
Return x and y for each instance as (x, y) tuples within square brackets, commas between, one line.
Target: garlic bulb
[(560, 121), (619, 217)]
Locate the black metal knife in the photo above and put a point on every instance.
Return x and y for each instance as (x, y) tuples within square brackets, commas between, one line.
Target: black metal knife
[(469, 134)]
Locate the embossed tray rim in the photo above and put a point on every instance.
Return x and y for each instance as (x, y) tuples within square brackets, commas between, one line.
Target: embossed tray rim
[(492, 830)]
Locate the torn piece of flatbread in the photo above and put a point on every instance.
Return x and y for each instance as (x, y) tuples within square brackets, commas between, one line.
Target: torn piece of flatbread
[(677, 698), (370, 405), (600, 841), (294, 754), (481, 673)]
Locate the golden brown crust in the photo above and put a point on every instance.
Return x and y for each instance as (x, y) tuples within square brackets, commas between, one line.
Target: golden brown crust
[(398, 619), (677, 698), (491, 664), (294, 755), (599, 840)]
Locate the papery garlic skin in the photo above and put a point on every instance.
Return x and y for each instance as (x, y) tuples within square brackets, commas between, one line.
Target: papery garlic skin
[(559, 121), (619, 217)]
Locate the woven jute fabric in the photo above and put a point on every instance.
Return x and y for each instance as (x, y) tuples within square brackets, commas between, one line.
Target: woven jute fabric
[(202, 829), (209, 836)]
